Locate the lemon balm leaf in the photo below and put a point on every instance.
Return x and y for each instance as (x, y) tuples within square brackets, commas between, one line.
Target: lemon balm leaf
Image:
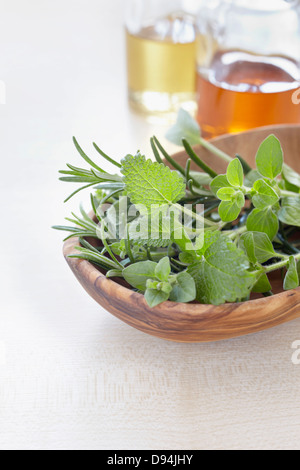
[(221, 271), (150, 183)]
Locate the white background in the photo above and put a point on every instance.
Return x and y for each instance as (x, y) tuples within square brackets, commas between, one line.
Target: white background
[(74, 376)]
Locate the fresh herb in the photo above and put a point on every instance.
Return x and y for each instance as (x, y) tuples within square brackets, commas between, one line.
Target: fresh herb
[(173, 233)]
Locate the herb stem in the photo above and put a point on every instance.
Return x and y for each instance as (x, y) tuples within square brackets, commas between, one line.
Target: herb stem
[(284, 193), (235, 233), (198, 160), (104, 241), (219, 153), (280, 265)]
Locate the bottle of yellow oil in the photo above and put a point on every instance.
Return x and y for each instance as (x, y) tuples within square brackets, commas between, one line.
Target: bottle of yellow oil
[(161, 65)]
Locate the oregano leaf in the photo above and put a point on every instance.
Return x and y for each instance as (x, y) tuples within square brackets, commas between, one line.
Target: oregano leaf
[(184, 290), (219, 182), (229, 211), (138, 274), (291, 280), (266, 196), (235, 173), (262, 285), (258, 246), (269, 158), (264, 221), (155, 297), (163, 269), (290, 211)]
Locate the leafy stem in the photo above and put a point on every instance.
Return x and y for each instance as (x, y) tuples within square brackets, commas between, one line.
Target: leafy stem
[(280, 264)]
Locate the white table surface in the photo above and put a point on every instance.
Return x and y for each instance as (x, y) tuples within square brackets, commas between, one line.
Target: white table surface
[(75, 377)]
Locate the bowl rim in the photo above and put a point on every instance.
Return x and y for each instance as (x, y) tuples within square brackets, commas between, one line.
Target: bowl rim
[(86, 268)]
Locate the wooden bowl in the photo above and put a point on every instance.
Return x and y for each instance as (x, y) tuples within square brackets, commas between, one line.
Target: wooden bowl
[(196, 323)]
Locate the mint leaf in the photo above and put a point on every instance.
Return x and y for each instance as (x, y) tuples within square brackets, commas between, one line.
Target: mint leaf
[(291, 280), (263, 221), (221, 271), (185, 128), (155, 297), (269, 158), (184, 290), (257, 246), (290, 211), (138, 274), (235, 174), (219, 182), (163, 269), (149, 183), (265, 197), (229, 211)]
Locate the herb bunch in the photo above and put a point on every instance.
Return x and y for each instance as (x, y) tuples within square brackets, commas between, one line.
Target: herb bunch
[(249, 221)]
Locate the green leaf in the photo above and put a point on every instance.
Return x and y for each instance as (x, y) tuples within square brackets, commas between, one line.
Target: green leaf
[(226, 194), (150, 183), (235, 174), (269, 158), (185, 128), (229, 211), (137, 274), (258, 246), (291, 176), (219, 182), (263, 221), (265, 197), (251, 177), (262, 286), (187, 258), (221, 271), (246, 243), (240, 199), (163, 269), (184, 290), (290, 211), (203, 179), (154, 297), (291, 280)]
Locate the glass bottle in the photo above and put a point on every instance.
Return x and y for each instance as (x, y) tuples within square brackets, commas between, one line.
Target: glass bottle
[(161, 55), (248, 65)]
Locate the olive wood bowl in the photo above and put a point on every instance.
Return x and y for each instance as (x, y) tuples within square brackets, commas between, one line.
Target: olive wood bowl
[(196, 323)]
